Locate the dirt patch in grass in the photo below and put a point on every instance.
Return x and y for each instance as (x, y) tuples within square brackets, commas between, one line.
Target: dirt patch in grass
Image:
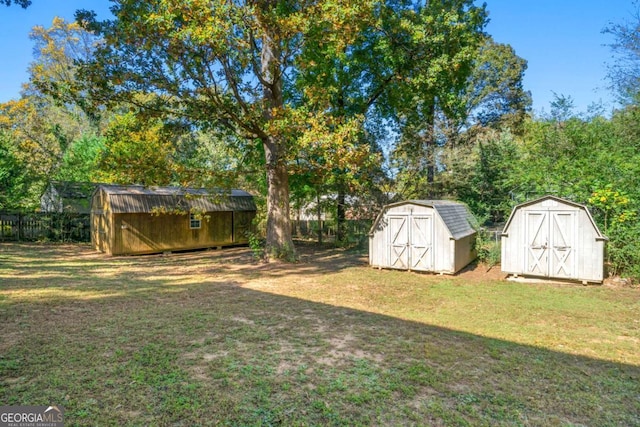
[(218, 338)]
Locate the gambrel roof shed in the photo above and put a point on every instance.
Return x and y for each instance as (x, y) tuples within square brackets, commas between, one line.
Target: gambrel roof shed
[(555, 238), (132, 219), (67, 196), (424, 235)]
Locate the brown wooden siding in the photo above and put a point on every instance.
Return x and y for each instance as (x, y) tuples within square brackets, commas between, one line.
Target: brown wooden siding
[(142, 232), (148, 233)]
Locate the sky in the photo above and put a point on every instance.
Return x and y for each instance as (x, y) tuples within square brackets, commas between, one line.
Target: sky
[(562, 41)]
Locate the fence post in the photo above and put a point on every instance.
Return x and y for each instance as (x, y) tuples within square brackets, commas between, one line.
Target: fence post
[(19, 227)]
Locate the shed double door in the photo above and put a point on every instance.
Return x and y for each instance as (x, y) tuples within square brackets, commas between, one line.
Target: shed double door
[(411, 242), (550, 243)]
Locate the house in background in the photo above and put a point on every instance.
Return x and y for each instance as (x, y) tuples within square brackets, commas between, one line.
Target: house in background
[(423, 235), (69, 197), (134, 219), (553, 238)]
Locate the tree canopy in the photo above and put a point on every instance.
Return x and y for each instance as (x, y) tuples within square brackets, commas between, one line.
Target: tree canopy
[(23, 3), (236, 64), (624, 70)]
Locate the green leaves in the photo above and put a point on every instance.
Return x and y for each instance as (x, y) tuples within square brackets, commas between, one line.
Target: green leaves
[(14, 177), (624, 70), (80, 161), (137, 152), (23, 3)]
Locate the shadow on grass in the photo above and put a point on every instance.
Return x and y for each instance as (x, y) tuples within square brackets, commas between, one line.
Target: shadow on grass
[(33, 261), (159, 349)]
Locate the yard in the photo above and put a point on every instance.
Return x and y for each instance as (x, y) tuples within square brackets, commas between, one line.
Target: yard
[(217, 338)]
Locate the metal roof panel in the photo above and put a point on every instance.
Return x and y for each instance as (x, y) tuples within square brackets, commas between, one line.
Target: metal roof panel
[(139, 199)]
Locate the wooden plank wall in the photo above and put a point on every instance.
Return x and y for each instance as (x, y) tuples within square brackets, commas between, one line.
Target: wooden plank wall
[(140, 233)]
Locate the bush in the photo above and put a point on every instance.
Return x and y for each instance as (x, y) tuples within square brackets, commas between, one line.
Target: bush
[(257, 244), (623, 250), (488, 248)]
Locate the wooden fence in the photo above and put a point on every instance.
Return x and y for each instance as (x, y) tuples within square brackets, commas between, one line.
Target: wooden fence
[(56, 227), (355, 230), (68, 227)]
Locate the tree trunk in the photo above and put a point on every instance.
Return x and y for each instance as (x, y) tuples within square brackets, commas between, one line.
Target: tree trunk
[(430, 144), (319, 212), (279, 242), (341, 215)]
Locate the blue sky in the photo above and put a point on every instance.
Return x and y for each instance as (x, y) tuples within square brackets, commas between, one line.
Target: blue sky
[(562, 41)]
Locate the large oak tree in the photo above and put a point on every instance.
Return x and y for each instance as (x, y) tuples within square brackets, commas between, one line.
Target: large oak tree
[(290, 78)]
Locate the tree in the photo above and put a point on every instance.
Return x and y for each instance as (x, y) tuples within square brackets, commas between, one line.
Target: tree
[(495, 96), (219, 63), (232, 63), (80, 162), (52, 74), (23, 3), (562, 108), (434, 90), (382, 69), (41, 132), (137, 150), (46, 125), (486, 94), (14, 176), (487, 187), (624, 71)]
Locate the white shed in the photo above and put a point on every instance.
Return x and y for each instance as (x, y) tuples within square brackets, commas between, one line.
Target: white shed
[(553, 238), (423, 235)]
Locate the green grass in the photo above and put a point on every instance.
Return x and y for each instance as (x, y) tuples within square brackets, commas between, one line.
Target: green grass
[(216, 338)]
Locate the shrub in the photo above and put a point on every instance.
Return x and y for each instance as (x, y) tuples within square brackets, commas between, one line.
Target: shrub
[(488, 248), (623, 250)]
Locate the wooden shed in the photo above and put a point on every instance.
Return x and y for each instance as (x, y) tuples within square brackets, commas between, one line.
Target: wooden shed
[(139, 220), (423, 235), (553, 238), (66, 196)]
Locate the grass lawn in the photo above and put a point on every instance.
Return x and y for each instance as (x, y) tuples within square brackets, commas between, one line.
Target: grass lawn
[(216, 338)]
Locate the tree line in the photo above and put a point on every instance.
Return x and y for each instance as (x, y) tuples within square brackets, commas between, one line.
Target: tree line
[(364, 101)]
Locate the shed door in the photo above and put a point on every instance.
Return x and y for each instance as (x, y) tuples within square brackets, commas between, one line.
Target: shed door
[(550, 238), (421, 238), (99, 231), (562, 261), (411, 242), (398, 242)]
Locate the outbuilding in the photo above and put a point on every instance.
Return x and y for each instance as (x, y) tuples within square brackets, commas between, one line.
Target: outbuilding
[(134, 219), (423, 235), (67, 197), (554, 238)]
